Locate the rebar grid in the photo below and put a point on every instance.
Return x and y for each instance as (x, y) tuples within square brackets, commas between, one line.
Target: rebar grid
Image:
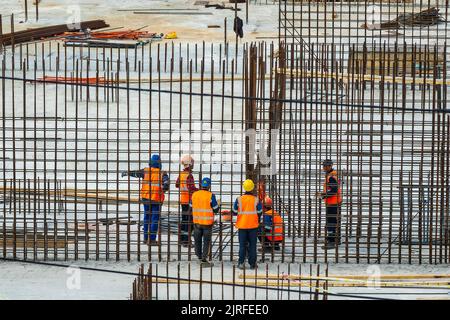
[(66, 139)]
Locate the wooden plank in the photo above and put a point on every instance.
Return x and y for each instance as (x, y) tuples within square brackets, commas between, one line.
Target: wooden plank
[(356, 277)]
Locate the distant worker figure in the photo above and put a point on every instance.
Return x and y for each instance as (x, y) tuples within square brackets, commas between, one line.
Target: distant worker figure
[(248, 209), (186, 184), (204, 205), (272, 234), (155, 183), (332, 196)]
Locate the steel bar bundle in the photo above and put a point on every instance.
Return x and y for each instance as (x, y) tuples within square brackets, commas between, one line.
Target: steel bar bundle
[(45, 32), (427, 17)]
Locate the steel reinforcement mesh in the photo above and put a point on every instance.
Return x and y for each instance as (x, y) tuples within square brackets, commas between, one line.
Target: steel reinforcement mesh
[(74, 119)]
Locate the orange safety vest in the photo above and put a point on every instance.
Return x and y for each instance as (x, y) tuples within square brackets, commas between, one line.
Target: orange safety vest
[(247, 217), (184, 191), (202, 212), (335, 199), (152, 185), (276, 232)]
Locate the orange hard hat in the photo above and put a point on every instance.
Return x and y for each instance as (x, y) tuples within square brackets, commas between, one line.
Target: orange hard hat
[(268, 202)]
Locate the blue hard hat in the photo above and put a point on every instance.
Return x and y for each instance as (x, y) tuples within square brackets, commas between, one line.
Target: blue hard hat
[(206, 182), (327, 162), (155, 161)]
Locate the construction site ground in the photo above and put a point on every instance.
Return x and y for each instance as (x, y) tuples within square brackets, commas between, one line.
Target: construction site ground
[(28, 281)]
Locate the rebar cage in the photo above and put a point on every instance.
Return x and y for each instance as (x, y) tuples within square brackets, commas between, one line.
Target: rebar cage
[(74, 118)]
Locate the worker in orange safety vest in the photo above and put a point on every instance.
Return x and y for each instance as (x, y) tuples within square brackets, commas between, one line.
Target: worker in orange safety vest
[(204, 204), (154, 184), (271, 235), (248, 209), (186, 185), (332, 197)]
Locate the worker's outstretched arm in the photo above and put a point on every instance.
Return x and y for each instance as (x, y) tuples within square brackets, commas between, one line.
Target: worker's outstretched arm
[(135, 173)]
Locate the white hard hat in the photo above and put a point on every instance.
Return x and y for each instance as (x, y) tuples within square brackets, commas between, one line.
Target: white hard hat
[(187, 160)]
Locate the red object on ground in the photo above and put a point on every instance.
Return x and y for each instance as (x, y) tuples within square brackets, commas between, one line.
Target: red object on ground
[(101, 80)]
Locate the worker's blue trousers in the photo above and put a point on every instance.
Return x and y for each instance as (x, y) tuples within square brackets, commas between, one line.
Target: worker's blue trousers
[(151, 220)]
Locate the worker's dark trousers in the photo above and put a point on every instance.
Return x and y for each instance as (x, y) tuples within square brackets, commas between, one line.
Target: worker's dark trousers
[(186, 224), (247, 245), (333, 223), (151, 219), (202, 232)]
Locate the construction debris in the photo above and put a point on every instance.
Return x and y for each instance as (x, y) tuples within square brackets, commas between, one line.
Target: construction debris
[(105, 44), (171, 35), (108, 39), (125, 34), (220, 6), (51, 31), (425, 18)]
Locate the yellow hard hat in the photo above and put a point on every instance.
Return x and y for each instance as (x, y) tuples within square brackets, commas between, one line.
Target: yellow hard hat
[(248, 185)]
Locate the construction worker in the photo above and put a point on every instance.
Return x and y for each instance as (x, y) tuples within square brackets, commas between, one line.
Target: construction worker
[(204, 205), (332, 196), (248, 209), (155, 183), (271, 235), (185, 182)]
